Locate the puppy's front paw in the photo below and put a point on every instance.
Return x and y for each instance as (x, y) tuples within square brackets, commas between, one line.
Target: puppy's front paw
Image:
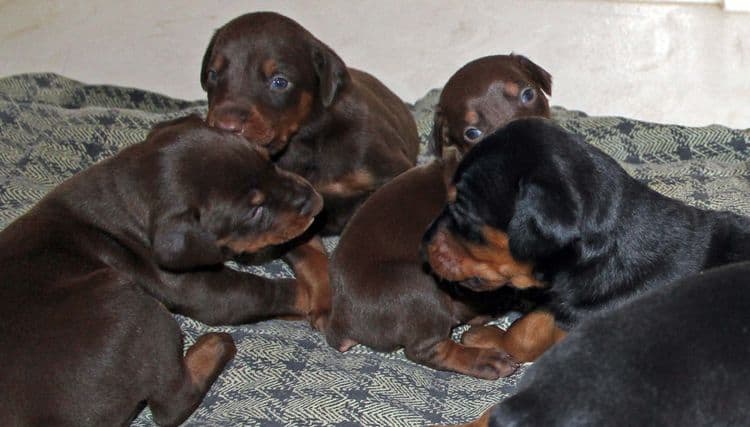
[(492, 364)]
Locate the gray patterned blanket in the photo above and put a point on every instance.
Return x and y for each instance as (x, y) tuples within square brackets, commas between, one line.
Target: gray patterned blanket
[(284, 373)]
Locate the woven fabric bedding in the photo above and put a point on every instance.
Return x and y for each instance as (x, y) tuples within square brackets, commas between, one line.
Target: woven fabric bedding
[(284, 373)]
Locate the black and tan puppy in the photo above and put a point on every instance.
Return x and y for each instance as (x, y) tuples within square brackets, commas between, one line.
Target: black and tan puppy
[(382, 295), (275, 83), (88, 275), (533, 205), (676, 355)]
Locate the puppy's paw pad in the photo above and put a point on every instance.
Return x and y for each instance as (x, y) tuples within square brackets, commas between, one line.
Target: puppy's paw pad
[(494, 364)]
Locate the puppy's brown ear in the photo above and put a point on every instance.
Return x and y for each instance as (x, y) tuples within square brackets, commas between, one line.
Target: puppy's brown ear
[(207, 59), (180, 244), (331, 71), (451, 158), (439, 135), (537, 73)]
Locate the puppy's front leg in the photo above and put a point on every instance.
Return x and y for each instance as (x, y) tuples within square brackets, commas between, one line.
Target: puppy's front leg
[(310, 264), (222, 296), (447, 355), (526, 339)]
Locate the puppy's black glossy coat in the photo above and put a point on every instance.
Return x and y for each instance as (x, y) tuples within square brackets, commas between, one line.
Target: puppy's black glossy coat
[(673, 356), (597, 236)]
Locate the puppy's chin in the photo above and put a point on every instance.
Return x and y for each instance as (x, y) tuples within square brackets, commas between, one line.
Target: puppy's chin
[(253, 244), (479, 284), (444, 258), (302, 224), (276, 146)]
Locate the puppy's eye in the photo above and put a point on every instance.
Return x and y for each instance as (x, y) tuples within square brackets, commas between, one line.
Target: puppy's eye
[(528, 95), (472, 133), (255, 213), (279, 83), (212, 76)]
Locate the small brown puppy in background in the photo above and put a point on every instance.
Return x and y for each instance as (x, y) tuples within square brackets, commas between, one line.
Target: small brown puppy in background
[(383, 297), (485, 94), (270, 80), (88, 274)]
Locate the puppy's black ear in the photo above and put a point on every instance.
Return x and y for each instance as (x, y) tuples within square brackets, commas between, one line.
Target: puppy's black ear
[(439, 135), (180, 244), (539, 74), (331, 71), (207, 59), (546, 219)]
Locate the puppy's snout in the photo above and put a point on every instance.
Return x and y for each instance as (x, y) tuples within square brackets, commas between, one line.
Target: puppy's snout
[(303, 196), (309, 205), (232, 124), (231, 119)]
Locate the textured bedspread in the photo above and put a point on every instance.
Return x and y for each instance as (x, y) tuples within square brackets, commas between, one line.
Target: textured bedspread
[(284, 373)]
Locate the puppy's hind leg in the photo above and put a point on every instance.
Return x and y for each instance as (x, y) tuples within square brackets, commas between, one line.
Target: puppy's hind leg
[(184, 381)]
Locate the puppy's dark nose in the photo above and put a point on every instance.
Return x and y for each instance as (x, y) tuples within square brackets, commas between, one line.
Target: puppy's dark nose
[(310, 206), (230, 123)]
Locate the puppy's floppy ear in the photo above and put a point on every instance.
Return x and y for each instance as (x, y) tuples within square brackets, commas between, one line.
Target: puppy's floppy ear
[(207, 59), (537, 73), (180, 244), (439, 135), (331, 71), (546, 219)]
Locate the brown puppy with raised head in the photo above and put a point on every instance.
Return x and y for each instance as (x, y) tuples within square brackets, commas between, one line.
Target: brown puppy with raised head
[(382, 295), (88, 275), (272, 81)]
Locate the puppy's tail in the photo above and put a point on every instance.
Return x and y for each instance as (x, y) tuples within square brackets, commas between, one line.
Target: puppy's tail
[(730, 241)]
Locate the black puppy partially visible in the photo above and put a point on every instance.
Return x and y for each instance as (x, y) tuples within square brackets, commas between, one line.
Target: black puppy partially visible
[(87, 277), (533, 194), (677, 356)]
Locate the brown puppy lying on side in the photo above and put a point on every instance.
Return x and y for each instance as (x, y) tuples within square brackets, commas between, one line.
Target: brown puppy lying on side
[(88, 275), (382, 295)]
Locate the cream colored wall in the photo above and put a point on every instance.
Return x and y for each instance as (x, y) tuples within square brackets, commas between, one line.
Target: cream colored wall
[(675, 63)]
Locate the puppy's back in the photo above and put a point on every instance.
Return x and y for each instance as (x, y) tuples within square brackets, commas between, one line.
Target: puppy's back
[(673, 356)]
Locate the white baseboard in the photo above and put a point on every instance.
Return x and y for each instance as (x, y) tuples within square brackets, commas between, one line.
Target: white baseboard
[(737, 5), (728, 5)]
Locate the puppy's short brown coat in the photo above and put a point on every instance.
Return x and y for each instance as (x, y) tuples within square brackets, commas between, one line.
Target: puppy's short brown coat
[(88, 277)]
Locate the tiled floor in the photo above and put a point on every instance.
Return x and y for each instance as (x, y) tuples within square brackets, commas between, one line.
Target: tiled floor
[(673, 63)]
